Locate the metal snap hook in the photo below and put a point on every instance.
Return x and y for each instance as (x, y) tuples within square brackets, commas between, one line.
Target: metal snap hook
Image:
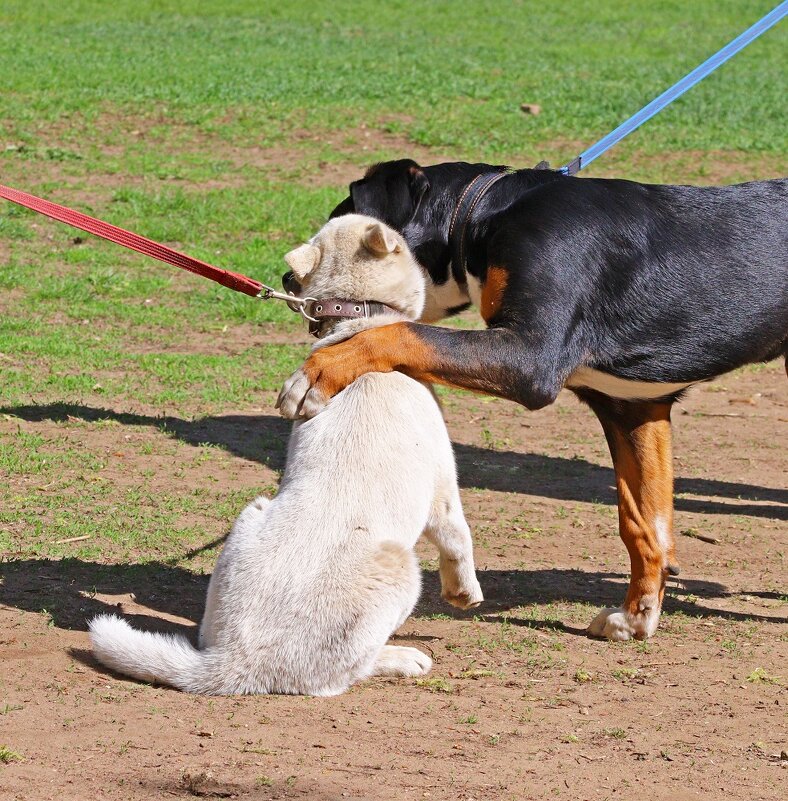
[(304, 303), (296, 304)]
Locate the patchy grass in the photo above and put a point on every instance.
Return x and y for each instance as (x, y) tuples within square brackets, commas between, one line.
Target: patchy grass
[(583, 676), (760, 676), (7, 755), (436, 684), (223, 143), (74, 363)]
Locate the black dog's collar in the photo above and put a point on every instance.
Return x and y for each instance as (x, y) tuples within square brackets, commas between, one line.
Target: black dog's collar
[(317, 311), (463, 211)]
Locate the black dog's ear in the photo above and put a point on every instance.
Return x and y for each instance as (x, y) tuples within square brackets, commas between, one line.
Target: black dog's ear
[(419, 185), (390, 192), (345, 207)]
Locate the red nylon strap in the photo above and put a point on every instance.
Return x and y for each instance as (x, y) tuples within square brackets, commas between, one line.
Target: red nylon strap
[(240, 283)]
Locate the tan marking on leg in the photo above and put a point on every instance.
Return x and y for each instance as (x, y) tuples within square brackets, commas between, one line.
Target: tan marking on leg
[(492, 292), (639, 436), (644, 479)]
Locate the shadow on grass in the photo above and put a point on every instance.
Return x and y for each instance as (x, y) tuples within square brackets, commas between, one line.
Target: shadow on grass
[(263, 439), (67, 590)]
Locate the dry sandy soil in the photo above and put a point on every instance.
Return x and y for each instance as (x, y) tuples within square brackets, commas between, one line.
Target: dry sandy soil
[(521, 704)]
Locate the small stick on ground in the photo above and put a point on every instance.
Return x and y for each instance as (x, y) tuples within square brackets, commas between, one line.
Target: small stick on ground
[(696, 535), (718, 414), (73, 539)]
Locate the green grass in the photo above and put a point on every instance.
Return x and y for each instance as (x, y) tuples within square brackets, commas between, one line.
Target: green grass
[(457, 72), (74, 363), (7, 755), (436, 684), (214, 126)]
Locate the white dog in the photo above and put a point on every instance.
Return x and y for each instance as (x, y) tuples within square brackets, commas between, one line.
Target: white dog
[(311, 585)]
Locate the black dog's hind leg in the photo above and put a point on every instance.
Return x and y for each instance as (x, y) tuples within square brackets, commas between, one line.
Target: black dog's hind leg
[(639, 436)]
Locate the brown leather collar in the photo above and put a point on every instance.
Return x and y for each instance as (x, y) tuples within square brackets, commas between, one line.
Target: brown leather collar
[(469, 199), (317, 311)]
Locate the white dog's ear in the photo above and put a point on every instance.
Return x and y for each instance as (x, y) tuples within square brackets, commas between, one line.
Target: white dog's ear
[(303, 260), (380, 241)]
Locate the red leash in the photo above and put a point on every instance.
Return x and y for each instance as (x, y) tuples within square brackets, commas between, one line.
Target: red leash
[(240, 283)]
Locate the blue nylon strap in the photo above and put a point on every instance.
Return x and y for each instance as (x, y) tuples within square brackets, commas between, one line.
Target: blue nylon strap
[(678, 89)]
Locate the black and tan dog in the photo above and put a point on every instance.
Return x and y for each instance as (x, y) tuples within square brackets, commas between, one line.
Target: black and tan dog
[(625, 293)]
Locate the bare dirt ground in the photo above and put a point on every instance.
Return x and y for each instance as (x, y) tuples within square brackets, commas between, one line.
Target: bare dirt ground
[(520, 703)]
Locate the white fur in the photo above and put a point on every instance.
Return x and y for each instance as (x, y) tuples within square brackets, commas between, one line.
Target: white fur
[(310, 586), (474, 290), (619, 624), (615, 387), (664, 537), (391, 277), (440, 298)]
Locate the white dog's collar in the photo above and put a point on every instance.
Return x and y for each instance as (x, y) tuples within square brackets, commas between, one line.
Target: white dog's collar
[(318, 311)]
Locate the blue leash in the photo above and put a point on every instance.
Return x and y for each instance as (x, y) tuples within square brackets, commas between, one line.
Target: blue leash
[(678, 89)]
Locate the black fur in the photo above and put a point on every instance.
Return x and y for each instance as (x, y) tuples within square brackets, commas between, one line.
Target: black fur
[(643, 282)]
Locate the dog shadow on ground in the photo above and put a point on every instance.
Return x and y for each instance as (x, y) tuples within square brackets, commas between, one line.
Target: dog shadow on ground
[(72, 591), (263, 439)]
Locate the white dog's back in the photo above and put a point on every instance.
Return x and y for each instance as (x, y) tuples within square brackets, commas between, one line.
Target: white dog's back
[(309, 586)]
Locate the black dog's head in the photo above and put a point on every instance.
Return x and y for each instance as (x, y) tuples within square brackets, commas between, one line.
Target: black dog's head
[(391, 192), (418, 202)]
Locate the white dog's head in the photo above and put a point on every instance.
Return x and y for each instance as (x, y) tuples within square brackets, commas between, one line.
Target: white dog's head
[(358, 258)]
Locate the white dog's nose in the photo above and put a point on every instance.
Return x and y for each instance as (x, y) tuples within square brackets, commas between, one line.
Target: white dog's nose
[(290, 283)]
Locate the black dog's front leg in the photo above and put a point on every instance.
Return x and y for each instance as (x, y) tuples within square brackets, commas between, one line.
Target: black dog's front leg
[(495, 361)]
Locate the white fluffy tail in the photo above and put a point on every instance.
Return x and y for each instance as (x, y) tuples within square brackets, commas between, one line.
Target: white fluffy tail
[(153, 657)]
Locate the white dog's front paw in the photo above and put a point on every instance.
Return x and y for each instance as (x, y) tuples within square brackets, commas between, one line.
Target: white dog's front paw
[(618, 624), (459, 585), (463, 597), (400, 661), (298, 400)]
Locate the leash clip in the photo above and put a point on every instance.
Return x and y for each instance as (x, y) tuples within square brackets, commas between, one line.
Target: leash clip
[(294, 303), (269, 293), (303, 303)]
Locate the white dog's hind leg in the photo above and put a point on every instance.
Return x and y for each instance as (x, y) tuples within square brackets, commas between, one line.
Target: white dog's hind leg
[(448, 530), (250, 518), (398, 660), (207, 636), (390, 583)]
